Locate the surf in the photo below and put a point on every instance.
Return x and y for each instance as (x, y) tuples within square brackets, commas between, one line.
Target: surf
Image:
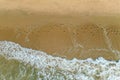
[(19, 63)]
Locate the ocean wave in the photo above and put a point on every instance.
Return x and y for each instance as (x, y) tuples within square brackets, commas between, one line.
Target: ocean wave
[(41, 66)]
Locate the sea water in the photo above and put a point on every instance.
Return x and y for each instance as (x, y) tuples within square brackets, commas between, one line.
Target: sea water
[(19, 63)]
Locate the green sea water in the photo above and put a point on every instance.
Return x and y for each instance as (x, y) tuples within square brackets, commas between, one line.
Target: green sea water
[(11, 69), (15, 70)]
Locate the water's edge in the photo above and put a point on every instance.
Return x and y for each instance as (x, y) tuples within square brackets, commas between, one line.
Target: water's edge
[(28, 64)]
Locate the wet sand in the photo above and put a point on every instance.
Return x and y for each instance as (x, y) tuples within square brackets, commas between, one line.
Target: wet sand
[(63, 35)]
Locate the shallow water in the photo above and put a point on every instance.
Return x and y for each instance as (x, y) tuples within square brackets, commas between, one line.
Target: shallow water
[(18, 63)]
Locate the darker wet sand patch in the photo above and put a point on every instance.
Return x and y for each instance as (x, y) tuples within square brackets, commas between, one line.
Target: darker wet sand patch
[(64, 36)]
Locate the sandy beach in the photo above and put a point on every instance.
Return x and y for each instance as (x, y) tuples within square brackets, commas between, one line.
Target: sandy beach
[(65, 36), (70, 31)]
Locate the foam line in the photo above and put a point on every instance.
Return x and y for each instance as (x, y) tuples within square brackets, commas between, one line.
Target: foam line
[(89, 69)]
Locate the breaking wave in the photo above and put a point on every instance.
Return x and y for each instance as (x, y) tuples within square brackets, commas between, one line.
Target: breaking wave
[(18, 63)]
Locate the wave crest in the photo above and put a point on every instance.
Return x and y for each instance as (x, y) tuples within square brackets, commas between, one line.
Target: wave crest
[(43, 66)]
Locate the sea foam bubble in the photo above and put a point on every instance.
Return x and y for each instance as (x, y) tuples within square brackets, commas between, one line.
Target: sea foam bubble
[(57, 68)]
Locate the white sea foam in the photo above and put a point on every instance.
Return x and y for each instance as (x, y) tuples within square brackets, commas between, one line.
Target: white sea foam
[(89, 69)]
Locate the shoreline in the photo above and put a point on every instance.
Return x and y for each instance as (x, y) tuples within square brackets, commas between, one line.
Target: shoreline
[(46, 64), (64, 36)]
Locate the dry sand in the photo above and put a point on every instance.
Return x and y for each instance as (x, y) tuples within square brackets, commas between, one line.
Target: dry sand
[(68, 29), (76, 7)]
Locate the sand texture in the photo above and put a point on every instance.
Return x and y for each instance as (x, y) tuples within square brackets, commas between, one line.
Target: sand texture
[(74, 28), (66, 36), (64, 7)]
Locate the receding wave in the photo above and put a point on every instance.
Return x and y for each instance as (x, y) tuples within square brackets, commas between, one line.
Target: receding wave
[(18, 63)]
